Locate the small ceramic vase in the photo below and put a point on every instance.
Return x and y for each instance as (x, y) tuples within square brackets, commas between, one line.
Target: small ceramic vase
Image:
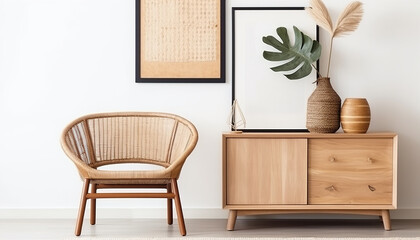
[(355, 115)]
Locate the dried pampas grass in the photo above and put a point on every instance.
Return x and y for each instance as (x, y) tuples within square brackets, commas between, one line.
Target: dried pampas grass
[(320, 14), (347, 22), (349, 19)]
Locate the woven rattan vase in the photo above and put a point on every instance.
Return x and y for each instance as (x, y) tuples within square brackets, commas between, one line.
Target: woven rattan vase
[(323, 109)]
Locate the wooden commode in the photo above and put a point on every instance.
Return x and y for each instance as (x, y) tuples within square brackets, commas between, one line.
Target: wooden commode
[(280, 173)]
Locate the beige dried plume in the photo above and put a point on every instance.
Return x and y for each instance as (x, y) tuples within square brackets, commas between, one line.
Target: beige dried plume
[(349, 19), (320, 14), (347, 22)]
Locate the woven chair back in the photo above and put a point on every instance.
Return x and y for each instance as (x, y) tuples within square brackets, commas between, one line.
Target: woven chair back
[(155, 138)]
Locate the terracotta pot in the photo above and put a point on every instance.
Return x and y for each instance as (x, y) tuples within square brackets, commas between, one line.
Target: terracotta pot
[(323, 109), (355, 115)]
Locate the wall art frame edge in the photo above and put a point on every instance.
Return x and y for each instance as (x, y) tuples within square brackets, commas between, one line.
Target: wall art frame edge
[(233, 11), (221, 79)]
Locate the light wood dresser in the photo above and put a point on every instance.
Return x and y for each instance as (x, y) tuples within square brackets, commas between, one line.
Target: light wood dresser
[(281, 173)]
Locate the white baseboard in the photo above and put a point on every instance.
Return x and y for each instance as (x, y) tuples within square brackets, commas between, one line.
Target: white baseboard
[(124, 213), (406, 213), (158, 213)]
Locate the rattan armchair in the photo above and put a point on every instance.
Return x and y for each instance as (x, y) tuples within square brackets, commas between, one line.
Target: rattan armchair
[(97, 140)]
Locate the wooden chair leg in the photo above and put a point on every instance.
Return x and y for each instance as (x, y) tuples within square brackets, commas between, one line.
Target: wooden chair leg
[(178, 207), (82, 208), (169, 205), (93, 206)]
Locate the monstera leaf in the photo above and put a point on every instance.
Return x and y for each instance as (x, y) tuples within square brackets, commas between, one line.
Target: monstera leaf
[(305, 50)]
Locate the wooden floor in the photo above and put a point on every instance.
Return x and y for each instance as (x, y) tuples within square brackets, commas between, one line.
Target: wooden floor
[(214, 228)]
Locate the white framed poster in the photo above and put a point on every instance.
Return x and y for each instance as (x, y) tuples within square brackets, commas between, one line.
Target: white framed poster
[(269, 101)]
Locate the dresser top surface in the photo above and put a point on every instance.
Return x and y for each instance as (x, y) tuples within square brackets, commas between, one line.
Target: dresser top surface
[(307, 135)]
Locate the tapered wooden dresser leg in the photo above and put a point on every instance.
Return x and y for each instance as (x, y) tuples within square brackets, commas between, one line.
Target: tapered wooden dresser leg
[(386, 219), (231, 220), (82, 208), (93, 206), (178, 207), (169, 206)]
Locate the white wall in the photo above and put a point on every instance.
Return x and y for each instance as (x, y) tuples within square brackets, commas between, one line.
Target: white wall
[(62, 59)]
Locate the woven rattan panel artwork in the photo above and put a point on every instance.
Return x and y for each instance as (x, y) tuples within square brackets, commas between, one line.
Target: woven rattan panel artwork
[(181, 30)]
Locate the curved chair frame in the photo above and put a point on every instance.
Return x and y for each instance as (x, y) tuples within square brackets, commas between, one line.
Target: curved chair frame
[(101, 139)]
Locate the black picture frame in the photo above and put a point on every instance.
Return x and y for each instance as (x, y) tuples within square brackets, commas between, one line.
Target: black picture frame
[(236, 80), (216, 73)]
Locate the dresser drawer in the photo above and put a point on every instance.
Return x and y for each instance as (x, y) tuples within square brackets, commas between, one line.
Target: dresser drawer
[(350, 171), (350, 154), (346, 187)]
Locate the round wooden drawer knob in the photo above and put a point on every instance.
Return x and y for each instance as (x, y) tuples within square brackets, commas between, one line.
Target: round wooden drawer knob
[(355, 115)]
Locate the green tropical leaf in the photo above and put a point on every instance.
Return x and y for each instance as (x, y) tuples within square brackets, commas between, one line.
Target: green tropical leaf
[(301, 55)]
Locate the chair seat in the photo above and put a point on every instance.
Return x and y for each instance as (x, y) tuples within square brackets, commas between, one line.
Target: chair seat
[(131, 181), (117, 173)]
